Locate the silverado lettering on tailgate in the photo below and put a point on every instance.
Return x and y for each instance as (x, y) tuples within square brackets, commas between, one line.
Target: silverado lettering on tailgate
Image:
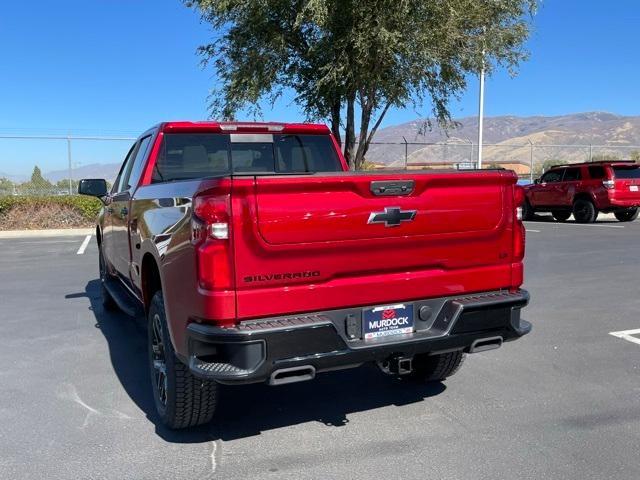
[(270, 277)]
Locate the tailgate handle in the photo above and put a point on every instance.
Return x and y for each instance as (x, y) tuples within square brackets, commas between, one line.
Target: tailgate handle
[(387, 188)]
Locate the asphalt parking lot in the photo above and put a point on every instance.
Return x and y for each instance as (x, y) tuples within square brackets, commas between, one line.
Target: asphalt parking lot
[(562, 403)]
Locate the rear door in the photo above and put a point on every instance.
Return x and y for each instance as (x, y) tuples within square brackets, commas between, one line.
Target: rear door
[(594, 184), (313, 242), (567, 188), (108, 238), (548, 191), (120, 204)]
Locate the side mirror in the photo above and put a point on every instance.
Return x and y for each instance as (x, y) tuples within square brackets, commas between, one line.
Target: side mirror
[(94, 187), (536, 181)]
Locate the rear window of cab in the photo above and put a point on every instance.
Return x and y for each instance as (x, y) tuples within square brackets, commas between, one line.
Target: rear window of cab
[(186, 156)]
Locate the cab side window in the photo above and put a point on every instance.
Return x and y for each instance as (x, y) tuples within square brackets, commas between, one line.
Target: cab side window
[(552, 176), (123, 169), (132, 167), (131, 180)]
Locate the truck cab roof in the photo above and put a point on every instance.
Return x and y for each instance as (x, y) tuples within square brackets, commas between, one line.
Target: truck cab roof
[(244, 127)]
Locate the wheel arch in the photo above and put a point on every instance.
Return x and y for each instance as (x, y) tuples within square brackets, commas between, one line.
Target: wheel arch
[(584, 196), (151, 281)]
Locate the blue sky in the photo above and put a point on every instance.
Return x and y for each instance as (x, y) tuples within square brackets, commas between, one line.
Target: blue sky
[(118, 66)]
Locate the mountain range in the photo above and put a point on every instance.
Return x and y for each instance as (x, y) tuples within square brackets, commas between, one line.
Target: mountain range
[(565, 137)]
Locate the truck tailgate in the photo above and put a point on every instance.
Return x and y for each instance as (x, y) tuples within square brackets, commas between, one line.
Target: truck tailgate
[(306, 243)]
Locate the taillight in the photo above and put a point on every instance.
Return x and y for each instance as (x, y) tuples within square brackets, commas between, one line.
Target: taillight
[(608, 184), (519, 213), (210, 232), (519, 233), (214, 213), (519, 238)]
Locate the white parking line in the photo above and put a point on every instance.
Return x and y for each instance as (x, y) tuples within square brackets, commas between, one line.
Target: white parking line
[(83, 247), (530, 230), (628, 335)]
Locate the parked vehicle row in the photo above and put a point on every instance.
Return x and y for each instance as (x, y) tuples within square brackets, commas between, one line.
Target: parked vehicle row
[(586, 189)]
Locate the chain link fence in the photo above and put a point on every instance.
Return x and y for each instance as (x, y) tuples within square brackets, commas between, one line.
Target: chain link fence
[(53, 165), (528, 160)]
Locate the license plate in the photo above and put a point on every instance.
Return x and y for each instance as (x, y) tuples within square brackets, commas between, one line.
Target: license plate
[(387, 320), (633, 188)]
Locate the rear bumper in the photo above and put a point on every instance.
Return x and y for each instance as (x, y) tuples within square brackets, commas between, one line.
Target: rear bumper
[(253, 350), (624, 203)]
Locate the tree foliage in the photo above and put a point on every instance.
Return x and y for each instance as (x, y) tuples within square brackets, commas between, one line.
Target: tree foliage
[(344, 57), (64, 184), (37, 180), (547, 164), (6, 186)]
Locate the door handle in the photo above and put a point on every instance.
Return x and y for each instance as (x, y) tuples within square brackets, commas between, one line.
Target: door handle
[(124, 211)]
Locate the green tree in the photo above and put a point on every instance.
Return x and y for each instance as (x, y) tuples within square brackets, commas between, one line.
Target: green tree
[(64, 185), (37, 178), (38, 184), (547, 164), (6, 186), (342, 57)]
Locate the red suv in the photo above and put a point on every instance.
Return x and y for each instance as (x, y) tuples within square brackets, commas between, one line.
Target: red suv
[(585, 189)]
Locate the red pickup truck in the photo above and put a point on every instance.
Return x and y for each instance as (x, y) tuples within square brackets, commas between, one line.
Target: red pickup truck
[(586, 189), (257, 256)]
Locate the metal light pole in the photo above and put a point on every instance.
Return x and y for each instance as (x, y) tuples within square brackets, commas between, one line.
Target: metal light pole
[(406, 152), (481, 113), (70, 168), (530, 160)]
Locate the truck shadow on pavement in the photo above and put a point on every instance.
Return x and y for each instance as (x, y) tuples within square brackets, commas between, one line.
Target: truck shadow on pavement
[(248, 410), (542, 218)]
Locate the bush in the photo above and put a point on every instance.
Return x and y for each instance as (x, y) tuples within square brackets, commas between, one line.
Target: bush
[(87, 208)]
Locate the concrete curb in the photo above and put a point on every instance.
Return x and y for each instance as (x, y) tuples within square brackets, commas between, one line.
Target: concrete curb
[(67, 232)]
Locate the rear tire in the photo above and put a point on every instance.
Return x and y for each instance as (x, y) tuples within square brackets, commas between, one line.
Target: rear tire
[(107, 300), (527, 211), (435, 368), (584, 211), (561, 215), (627, 215), (181, 399)]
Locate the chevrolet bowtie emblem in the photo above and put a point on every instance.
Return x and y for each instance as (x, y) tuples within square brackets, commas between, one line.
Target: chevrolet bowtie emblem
[(392, 216)]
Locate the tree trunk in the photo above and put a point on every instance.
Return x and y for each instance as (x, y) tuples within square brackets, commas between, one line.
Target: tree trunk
[(350, 132), (366, 136), (335, 121), (365, 117)]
